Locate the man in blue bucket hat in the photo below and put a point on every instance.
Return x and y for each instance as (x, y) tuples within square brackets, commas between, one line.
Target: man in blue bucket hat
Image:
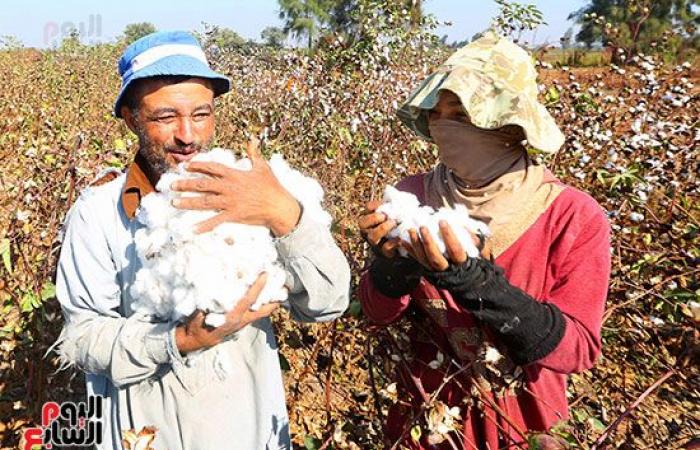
[(145, 371)]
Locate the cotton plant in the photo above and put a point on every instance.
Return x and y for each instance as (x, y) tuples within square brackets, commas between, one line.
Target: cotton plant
[(442, 420), (406, 210), (183, 271)]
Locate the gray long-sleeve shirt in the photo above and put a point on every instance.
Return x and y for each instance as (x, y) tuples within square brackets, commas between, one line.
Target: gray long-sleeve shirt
[(133, 362)]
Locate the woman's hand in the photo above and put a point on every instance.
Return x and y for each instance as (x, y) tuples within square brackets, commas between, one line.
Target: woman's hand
[(424, 249), (375, 226)]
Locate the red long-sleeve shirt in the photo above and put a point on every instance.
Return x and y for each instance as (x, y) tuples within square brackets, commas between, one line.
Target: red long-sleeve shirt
[(564, 259)]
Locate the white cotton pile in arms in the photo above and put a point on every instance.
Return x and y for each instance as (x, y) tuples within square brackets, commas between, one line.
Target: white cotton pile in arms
[(406, 210), (183, 271)]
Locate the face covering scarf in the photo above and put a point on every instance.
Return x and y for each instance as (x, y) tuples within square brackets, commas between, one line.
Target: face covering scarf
[(476, 156), (490, 173)]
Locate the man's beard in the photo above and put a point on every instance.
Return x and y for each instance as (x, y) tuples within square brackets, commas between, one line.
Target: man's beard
[(155, 155)]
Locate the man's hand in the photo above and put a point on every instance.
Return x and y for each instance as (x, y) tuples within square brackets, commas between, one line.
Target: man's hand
[(424, 249), (195, 334), (375, 226), (253, 197)]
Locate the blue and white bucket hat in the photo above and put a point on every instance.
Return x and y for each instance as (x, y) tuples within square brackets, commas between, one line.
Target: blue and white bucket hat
[(166, 53)]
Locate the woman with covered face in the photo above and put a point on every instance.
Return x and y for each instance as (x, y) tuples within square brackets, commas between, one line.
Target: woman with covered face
[(507, 328)]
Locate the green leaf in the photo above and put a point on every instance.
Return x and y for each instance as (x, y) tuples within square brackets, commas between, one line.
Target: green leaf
[(679, 294), (119, 145), (284, 364), (355, 309), (6, 330), (5, 254), (552, 95), (29, 302), (312, 443), (115, 162), (416, 433), (596, 424), (48, 291), (345, 135), (580, 415), (533, 443)]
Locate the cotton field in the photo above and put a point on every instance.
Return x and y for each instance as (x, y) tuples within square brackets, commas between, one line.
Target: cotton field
[(631, 141)]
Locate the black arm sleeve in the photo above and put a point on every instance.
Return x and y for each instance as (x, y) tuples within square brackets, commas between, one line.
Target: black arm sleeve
[(395, 277), (530, 330)]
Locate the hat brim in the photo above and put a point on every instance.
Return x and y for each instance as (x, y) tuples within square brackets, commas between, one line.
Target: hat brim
[(495, 111), (176, 65)]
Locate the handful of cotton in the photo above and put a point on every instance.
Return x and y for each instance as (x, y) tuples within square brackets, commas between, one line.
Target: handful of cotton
[(183, 271), (406, 210)]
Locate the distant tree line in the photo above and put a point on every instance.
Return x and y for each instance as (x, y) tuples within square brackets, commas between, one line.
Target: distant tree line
[(667, 26)]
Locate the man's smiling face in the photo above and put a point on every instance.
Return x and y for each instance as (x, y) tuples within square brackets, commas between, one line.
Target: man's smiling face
[(173, 120)]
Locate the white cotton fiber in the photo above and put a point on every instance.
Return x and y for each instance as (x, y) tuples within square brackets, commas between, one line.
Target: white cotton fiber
[(406, 210), (183, 271)]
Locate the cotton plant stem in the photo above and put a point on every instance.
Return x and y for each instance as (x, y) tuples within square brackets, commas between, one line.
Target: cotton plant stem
[(329, 373), (644, 292), (428, 400), (425, 405), (380, 157), (327, 442), (475, 383), (307, 368), (499, 411), (373, 384), (416, 381), (495, 407), (631, 408), (452, 442), (498, 425)]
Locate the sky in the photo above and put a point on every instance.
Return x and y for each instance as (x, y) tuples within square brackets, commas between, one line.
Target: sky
[(42, 24)]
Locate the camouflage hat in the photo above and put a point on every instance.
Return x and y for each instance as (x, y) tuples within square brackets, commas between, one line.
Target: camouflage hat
[(496, 82)]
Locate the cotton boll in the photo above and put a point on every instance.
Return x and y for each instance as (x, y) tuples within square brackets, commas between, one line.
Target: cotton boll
[(396, 202), (463, 227), (492, 355), (184, 303), (164, 183), (182, 224), (305, 189), (183, 271), (405, 209), (219, 155), (215, 319), (142, 243), (274, 288), (164, 267), (154, 211)]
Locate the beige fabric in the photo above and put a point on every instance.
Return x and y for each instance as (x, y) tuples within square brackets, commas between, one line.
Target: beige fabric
[(496, 81), (476, 156), (509, 205)]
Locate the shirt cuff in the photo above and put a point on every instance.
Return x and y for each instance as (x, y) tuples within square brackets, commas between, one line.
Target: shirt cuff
[(297, 242), (161, 345), (156, 342)]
